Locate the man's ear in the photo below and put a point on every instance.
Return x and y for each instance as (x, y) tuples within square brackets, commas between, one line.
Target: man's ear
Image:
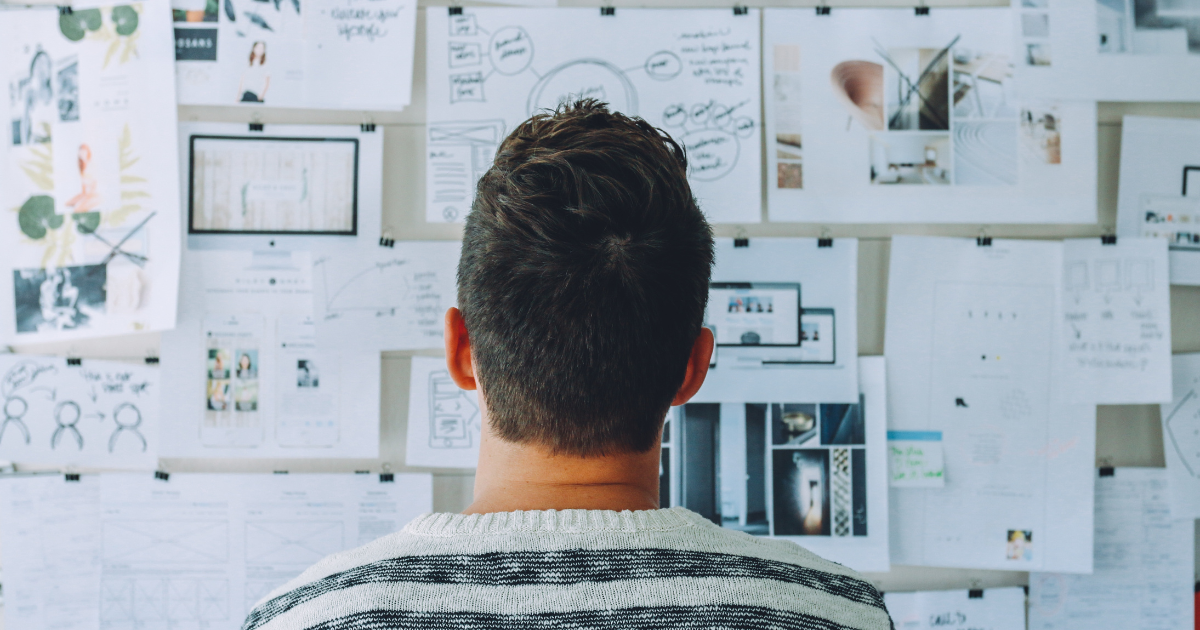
[(458, 350), (697, 366)]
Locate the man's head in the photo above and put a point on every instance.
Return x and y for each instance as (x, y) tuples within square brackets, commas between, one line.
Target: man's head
[(583, 281)]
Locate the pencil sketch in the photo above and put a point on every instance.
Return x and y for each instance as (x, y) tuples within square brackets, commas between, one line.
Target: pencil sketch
[(1182, 433), (453, 416)]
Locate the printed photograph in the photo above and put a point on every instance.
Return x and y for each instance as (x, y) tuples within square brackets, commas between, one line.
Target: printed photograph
[(801, 492), (1020, 545), (793, 424), (1041, 141), (218, 395), (916, 82), (722, 453), (64, 298), (789, 123), (842, 423), (917, 158), (1148, 27), (306, 374), (220, 361), (1037, 53), (196, 11), (245, 395), (247, 364)]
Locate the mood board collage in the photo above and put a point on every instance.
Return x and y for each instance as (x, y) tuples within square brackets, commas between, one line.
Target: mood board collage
[(256, 252)]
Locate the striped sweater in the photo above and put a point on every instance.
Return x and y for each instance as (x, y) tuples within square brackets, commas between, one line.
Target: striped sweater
[(572, 569)]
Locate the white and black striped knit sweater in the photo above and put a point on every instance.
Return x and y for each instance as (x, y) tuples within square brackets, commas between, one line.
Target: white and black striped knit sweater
[(573, 569)]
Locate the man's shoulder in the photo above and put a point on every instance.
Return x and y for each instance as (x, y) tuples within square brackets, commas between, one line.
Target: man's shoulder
[(563, 576)]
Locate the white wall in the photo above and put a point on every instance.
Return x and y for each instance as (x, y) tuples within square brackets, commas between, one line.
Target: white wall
[(1127, 435)]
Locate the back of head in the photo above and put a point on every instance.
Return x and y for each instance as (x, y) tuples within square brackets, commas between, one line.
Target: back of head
[(583, 281)]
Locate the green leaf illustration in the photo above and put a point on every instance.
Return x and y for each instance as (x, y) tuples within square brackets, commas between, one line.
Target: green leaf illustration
[(37, 215), (76, 24), (86, 222), (125, 18)]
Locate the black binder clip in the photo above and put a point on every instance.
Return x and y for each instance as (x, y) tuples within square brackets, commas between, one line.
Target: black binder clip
[(983, 241), (256, 126), (741, 241), (71, 476), (921, 10), (822, 10), (975, 593), (65, 10), (455, 10), (151, 360), (740, 10), (74, 361), (280, 472), (825, 240), (1107, 471), (1108, 239), (608, 11), (387, 477), (162, 475), (387, 242), (367, 127)]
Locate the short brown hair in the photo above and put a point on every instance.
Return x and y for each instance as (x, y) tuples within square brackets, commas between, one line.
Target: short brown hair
[(583, 280)]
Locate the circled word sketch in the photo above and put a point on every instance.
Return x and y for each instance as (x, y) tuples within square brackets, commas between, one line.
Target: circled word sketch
[(692, 73)]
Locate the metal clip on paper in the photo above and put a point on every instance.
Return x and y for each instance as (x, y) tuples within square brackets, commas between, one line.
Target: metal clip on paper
[(825, 240), (921, 10), (256, 126), (151, 360), (387, 477), (162, 475), (983, 240), (975, 593), (367, 127), (386, 240), (74, 361), (822, 10), (1107, 471), (740, 10), (455, 10), (65, 10), (741, 239), (1108, 239), (608, 11), (72, 477)]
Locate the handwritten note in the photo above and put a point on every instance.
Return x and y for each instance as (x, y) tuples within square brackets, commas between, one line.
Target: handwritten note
[(90, 413), (993, 609), (1116, 328), (915, 459)]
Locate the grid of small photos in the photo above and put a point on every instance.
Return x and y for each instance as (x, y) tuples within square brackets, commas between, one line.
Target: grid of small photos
[(799, 468)]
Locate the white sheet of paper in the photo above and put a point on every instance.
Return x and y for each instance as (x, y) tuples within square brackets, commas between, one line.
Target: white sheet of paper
[(998, 609), (1160, 188), (386, 298), (1143, 567), (98, 413), (443, 421), (115, 550), (850, 142), (226, 541), (336, 54), (51, 544), (1181, 436), (91, 248), (815, 473), (970, 338), (915, 459), (245, 374), (752, 310), (694, 73), (1108, 51), (1116, 334)]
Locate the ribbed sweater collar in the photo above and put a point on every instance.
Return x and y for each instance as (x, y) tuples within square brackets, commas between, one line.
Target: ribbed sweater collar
[(553, 521)]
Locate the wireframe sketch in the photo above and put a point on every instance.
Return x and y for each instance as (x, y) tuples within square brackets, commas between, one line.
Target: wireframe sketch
[(276, 542), (453, 416), (177, 541), (164, 600), (459, 154), (1152, 27), (1182, 432)]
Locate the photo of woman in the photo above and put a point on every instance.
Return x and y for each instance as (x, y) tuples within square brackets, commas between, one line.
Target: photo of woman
[(255, 80), (88, 199)]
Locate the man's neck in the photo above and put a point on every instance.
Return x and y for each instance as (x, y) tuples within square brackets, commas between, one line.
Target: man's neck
[(514, 477)]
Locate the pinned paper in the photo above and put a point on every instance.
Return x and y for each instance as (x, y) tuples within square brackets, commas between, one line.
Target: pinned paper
[(915, 459)]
